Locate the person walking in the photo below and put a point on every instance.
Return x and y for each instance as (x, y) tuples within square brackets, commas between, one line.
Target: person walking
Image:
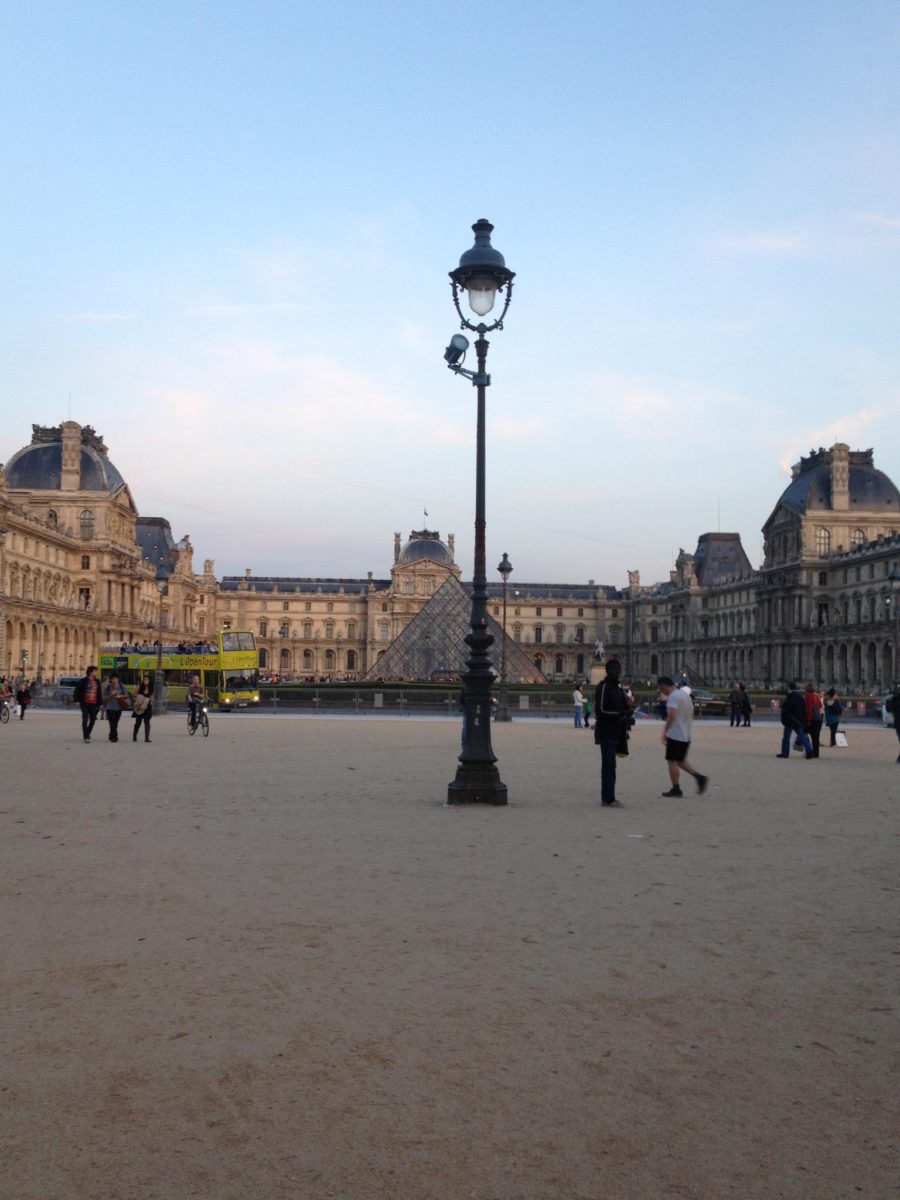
[(142, 708), (87, 696), (115, 698), (793, 720), (813, 705), (833, 710), (676, 737), (746, 706), (578, 701), (23, 696), (734, 699), (612, 711)]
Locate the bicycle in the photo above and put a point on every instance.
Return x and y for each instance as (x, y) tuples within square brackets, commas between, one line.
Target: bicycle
[(4, 711), (202, 719)]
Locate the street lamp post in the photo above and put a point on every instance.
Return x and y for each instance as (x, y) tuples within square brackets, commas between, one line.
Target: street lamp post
[(159, 691), (482, 273), (503, 714), (891, 600), (39, 678)]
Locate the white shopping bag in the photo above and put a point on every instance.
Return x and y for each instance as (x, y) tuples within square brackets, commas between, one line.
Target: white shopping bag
[(840, 739)]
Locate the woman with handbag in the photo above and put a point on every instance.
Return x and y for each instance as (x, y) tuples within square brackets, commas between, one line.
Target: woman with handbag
[(115, 698), (142, 706)]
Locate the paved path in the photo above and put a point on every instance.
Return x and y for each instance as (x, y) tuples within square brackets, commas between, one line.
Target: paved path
[(270, 964)]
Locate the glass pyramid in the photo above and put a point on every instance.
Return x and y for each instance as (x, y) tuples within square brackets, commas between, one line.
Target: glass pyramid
[(432, 645)]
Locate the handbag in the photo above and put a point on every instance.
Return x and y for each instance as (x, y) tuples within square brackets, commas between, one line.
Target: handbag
[(124, 700), (140, 704)]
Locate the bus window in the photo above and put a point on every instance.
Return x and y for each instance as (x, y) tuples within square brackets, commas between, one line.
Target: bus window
[(237, 641)]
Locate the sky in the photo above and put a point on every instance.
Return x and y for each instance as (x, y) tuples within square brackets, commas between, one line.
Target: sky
[(227, 229)]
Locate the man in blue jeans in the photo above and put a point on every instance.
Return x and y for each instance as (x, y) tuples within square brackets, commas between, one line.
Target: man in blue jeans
[(612, 710)]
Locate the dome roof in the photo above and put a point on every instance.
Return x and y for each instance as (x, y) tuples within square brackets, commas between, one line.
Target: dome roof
[(867, 487), (38, 467), (425, 543)]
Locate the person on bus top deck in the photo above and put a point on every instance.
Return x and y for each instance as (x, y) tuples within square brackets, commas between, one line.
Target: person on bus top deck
[(194, 696)]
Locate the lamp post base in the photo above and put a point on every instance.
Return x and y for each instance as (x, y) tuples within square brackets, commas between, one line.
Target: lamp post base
[(477, 783)]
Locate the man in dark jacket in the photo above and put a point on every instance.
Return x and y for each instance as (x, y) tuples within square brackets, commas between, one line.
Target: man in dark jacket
[(612, 713), (793, 720), (87, 694)]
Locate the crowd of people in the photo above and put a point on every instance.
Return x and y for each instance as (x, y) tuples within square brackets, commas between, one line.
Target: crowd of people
[(199, 647)]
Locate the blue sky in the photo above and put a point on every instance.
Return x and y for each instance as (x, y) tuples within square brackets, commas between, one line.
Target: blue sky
[(227, 231)]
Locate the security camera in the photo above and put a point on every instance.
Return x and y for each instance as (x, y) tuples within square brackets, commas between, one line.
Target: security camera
[(457, 348)]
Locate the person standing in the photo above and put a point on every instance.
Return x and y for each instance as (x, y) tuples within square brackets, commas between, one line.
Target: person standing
[(23, 696), (142, 708), (612, 711), (746, 706), (578, 701), (734, 699), (793, 720), (115, 698), (677, 737), (87, 695), (587, 712), (813, 710), (833, 710)]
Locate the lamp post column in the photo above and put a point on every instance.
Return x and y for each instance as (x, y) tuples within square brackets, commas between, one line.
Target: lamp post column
[(894, 581), (503, 714), (482, 274), (159, 690), (39, 678)]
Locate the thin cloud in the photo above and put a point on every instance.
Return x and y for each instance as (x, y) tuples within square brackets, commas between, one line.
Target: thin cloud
[(241, 310), (840, 430), (879, 221), (88, 318), (762, 242)]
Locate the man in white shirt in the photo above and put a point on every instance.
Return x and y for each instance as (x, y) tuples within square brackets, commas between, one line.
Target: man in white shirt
[(677, 736)]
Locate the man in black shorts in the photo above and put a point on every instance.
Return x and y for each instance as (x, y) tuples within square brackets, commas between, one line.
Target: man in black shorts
[(677, 736)]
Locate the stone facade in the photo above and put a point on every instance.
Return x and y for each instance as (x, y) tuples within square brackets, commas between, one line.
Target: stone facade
[(79, 566)]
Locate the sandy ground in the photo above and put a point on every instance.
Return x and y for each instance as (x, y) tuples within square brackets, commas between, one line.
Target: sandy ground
[(271, 964)]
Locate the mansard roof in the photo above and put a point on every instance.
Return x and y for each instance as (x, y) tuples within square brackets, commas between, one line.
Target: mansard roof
[(810, 489), (720, 557), (38, 467)]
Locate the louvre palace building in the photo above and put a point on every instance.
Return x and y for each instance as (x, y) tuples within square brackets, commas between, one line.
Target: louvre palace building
[(79, 566)]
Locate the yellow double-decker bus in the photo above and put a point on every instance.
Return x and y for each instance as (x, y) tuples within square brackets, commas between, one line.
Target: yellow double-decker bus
[(228, 666)]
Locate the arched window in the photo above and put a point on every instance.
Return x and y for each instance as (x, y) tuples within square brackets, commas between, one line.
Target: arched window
[(52, 518), (263, 628), (538, 633), (86, 523), (823, 542), (857, 537), (307, 660), (351, 660), (559, 664), (329, 660), (263, 657)]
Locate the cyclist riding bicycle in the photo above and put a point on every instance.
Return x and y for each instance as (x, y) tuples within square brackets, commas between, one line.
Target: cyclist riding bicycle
[(195, 697)]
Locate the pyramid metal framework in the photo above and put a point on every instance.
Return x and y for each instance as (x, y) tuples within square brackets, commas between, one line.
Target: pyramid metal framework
[(432, 645)]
